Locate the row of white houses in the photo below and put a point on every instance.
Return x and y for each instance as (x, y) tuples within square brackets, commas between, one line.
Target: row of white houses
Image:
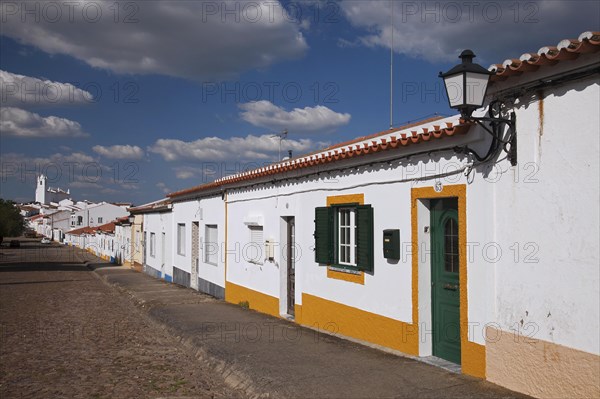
[(110, 241), (429, 239)]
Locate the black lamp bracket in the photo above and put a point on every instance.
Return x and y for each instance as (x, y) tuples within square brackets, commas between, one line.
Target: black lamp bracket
[(496, 128)]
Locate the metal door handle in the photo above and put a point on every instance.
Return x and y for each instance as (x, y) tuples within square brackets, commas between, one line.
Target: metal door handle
[(451, 287)]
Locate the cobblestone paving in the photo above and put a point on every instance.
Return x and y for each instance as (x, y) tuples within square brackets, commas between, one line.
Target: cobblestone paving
[(65, 333)]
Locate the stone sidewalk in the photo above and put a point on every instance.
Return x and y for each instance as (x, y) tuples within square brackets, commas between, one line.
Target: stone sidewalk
[(263, 356)]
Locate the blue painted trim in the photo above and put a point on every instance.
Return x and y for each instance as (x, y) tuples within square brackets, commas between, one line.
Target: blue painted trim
[(168, 278)]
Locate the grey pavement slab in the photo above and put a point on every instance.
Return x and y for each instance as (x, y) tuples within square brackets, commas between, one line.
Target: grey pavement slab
[(264, 356)]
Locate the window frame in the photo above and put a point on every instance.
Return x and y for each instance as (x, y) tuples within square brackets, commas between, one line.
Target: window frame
[(207, 243), (337, 238), (327, 232), (152, 244), (181, 239), (261, 245)]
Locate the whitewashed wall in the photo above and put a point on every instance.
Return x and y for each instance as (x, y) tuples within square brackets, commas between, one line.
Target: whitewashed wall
[(205, 211), (159, 223), (543, 210), (213, 213), (388, 291), (186, 213), (552, 284)]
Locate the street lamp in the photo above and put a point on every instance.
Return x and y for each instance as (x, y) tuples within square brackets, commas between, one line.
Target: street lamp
[(466, 86)]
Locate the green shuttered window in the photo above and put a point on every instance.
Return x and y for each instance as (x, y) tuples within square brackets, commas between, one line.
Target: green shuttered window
[(324, 235), (344, 236), (364, 237)]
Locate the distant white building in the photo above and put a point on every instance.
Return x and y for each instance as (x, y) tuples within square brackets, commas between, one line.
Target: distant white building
[(46, 195), (94, 215)]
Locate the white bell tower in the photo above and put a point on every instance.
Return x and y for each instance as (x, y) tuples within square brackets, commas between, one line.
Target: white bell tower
[(40, 190)]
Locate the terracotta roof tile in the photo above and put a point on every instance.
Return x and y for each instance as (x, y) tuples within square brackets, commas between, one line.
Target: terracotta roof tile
[(107, 227), (155, 206), (80, 231), (567, 49), (359, 147)]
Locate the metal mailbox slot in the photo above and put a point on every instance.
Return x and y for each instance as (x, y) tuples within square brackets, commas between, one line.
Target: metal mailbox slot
[(391, 244)]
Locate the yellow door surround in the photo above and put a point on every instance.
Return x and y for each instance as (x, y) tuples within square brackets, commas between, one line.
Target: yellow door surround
[(472, 354)]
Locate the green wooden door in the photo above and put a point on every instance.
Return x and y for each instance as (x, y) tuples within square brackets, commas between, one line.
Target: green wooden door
[(444, 279)]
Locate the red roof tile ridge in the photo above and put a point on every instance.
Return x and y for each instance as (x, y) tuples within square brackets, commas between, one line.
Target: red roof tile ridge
[(566, 49), (418, 133)]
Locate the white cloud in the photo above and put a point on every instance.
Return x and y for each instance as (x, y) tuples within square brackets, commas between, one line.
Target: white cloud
[(20, 90), (190, 39), (319, 119), (249, 148), (439, 31), (16, 122), (163, 187), (119, 151), (186, 172)]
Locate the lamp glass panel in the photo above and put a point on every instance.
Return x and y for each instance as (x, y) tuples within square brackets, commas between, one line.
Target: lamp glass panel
[(476, 87), (454, 89)]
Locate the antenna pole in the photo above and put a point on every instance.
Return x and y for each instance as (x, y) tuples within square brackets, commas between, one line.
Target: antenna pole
[(392, 66), (281, 136)]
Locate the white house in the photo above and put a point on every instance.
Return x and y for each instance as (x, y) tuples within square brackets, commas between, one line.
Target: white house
[(123, 252), (102, 241), (157, 244), (56, 224), (94, 215), (433, 239), (185, 242)]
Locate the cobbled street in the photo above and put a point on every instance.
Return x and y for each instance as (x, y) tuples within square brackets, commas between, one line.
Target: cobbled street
[(65, 333)]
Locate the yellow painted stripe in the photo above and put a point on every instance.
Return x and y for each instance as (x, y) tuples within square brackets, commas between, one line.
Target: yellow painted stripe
[(335, 317), (346, 199), (351, 277), (257, 300)]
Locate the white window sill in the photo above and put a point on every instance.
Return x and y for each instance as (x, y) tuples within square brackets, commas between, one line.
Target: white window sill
[(343, 270)]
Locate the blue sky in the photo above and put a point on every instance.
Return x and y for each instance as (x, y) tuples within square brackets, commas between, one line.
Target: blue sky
[(126, 101)]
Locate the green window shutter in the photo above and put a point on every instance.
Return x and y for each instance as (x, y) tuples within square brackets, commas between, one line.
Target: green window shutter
[(364, 237), (324, 235)]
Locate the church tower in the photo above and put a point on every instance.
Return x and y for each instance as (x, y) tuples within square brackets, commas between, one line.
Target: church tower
[(40, 190)]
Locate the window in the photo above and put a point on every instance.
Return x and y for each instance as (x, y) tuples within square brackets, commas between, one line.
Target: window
[(100, 220), (181, 238), (451, 255), (79, 220), (152, 244), (344, 236), (254, 251), (211, 244)]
